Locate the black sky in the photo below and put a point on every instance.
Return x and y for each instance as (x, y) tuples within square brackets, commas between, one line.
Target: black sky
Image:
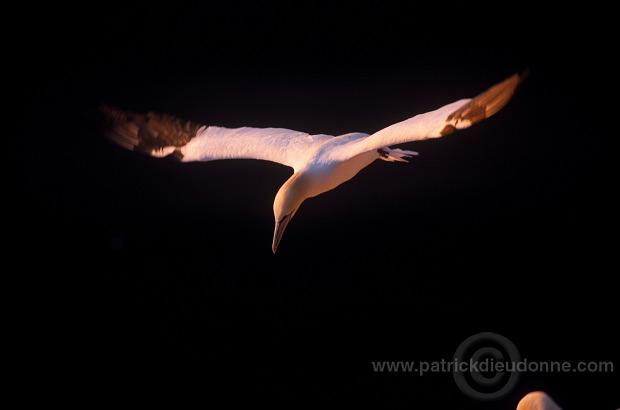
[(165, 269)]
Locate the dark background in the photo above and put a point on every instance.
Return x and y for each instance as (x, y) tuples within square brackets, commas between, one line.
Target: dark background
[(149, 281)]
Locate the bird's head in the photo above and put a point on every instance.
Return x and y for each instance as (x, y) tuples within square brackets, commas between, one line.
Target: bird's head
[(288, 199)]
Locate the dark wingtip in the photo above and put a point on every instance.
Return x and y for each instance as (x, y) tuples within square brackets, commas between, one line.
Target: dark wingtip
[(113, 126), (524, 74), (109, 112), (147, 133), (485, 104), (496, 97)]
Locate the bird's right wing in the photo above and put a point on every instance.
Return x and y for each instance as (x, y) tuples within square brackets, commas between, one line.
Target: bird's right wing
[(433, 124), (162, 135)]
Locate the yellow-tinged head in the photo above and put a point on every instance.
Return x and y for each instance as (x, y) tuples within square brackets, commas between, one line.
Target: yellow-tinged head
[(288, 199)]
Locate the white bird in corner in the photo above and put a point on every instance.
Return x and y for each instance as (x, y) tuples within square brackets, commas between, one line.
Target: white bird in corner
[(320, 162)]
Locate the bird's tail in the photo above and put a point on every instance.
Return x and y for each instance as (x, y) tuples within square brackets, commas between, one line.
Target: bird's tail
[(395, 154)]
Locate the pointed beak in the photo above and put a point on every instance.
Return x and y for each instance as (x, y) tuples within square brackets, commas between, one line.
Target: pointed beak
[(279, 230)]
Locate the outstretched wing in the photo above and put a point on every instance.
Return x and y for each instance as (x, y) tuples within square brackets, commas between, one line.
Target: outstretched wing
[(162, 135), (443, 121)]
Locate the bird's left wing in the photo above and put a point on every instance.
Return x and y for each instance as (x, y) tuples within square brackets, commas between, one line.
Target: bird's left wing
[(162, 135), (443, 121)]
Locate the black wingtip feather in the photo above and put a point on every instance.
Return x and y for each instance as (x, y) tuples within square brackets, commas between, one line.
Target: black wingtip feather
[(147, 133)]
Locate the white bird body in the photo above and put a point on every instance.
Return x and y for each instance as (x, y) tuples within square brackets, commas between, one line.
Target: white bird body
[(320, 162)]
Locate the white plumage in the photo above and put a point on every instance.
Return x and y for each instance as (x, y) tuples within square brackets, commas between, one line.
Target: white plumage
[(320, 162)]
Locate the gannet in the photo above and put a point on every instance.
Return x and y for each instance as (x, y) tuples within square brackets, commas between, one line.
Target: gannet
[(320, 162)]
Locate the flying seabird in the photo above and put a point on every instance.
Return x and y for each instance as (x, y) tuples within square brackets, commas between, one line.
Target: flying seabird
[(320, 162)]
